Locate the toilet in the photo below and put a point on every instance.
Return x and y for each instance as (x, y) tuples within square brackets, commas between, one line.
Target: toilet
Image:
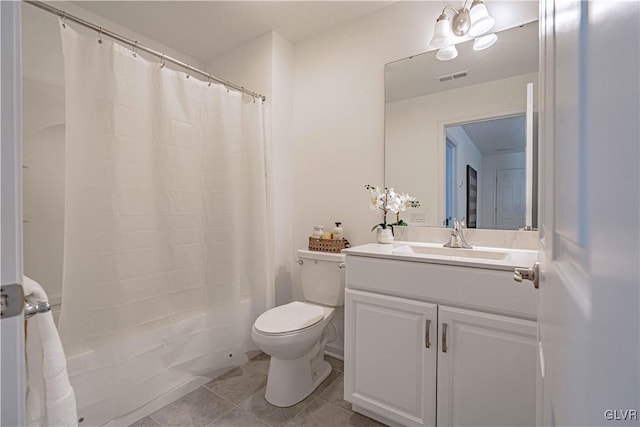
[(296, 334)]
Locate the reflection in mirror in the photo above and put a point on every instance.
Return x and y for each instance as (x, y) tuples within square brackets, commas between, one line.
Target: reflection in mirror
[(495, 150), (434, 109)]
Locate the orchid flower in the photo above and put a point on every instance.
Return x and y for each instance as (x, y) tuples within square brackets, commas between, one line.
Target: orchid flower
[(389, 201)]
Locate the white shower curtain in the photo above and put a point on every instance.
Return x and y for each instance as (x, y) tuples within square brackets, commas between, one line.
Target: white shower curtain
[(166, 254)]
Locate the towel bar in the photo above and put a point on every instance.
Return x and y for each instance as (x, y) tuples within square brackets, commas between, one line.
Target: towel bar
[(31, 309)]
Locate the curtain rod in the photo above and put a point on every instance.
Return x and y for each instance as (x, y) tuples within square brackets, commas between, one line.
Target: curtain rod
[(134, 44)]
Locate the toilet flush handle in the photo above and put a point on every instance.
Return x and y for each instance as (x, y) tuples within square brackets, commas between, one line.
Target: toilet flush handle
[(300, 261), (342, 265)]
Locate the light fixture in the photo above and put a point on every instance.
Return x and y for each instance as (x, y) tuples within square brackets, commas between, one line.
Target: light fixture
[(442, 33), (473, 22), (481, 21), (481, 43), (447, 53)]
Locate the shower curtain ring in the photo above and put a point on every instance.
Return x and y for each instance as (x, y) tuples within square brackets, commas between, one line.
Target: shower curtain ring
[(186, 70), (162, 64), (135, 49), (209, 80), (100, 36), (64, 19)]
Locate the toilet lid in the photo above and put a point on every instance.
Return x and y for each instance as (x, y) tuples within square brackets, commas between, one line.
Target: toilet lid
[(289, 317)]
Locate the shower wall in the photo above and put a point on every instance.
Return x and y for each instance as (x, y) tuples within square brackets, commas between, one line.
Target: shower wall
[(43, 180)]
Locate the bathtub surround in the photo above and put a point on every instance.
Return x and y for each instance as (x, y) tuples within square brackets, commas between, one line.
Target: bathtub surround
[(166, 237), (43, 186)]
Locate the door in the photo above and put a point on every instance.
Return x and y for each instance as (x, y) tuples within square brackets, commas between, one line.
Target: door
[(451, 193), (391, 342), (12, 329), (486, 369), (589, 323), (510, 199), (530, 186)]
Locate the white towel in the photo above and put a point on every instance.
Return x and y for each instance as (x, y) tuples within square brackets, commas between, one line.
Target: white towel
[(50, 397)]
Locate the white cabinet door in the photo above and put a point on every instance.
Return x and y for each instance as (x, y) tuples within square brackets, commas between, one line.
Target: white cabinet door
[(390, 354), (486, 369)]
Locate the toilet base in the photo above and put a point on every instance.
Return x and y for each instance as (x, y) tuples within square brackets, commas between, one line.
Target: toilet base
[(291, 381)]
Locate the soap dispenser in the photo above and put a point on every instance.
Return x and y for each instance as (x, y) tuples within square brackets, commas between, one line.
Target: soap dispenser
[(337, 231)]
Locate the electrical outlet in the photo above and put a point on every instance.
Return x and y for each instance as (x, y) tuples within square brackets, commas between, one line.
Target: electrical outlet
[(417, 216)]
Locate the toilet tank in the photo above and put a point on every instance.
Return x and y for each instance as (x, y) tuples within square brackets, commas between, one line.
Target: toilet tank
[(322, 277)]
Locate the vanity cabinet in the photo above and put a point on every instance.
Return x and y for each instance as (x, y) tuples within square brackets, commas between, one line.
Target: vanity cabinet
[(392, 356), (420, 351), (487, 375)]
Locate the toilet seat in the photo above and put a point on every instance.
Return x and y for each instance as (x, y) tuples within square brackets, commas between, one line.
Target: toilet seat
[(288, 318)]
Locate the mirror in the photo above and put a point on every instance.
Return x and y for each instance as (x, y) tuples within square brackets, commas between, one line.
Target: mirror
[(460, 134)]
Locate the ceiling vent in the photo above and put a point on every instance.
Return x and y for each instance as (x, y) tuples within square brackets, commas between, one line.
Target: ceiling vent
[(453, 76), (501, 149)]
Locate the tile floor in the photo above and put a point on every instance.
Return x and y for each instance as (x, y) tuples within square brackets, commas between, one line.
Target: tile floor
[(237, 399)]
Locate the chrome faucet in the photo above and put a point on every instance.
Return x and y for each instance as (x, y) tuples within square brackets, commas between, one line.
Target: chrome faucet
[(457, 236)]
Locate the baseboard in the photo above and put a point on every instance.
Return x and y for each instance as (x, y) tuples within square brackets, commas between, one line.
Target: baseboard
[(338, 353)]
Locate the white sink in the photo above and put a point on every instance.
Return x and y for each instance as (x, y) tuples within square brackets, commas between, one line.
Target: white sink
[(434, 253), (451, 252)]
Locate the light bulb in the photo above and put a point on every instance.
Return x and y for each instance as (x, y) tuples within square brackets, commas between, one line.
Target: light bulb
[(481, 21), (447, 53), (442, 33), (484, 42)]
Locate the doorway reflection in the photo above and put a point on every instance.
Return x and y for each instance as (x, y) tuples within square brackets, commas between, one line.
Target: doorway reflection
[(494, 148)]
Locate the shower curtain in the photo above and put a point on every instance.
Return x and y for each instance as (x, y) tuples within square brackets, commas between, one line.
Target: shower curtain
[(166, 254)]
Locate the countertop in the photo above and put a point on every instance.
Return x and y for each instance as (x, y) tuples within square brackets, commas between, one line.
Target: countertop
[(408, 251)]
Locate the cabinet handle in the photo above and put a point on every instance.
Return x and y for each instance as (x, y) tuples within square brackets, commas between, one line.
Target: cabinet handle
[(427, 335), (444, 337)]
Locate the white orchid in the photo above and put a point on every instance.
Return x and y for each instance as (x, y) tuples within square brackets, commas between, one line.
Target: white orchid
[(377, 198), (388, 200), (407, 201)]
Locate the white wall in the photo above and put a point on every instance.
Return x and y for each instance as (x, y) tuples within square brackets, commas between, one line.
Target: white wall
[(416, 126), (467, 153), (338, 115), (265, 65), (338, 126)]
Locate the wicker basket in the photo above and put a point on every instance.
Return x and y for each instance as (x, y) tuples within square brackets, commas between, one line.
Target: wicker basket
[(328, 245)]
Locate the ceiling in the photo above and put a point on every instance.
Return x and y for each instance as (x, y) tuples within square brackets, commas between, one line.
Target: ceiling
[(205, 29), (515, 53), (498, 136)]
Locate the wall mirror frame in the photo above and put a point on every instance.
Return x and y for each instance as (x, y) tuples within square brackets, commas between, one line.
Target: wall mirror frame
[(419, 108)]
